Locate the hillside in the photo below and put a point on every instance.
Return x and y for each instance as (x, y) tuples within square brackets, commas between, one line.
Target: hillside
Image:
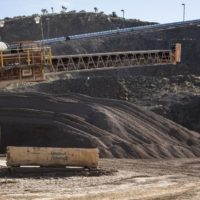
[(62, 25)]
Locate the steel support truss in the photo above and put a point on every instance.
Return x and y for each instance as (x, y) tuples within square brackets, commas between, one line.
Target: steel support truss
[(114, 59)]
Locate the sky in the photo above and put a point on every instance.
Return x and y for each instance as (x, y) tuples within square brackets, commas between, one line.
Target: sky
[(160, 11)]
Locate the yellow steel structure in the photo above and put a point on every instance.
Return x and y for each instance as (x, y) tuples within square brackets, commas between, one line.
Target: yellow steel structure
[(29, 64), (25, 64)]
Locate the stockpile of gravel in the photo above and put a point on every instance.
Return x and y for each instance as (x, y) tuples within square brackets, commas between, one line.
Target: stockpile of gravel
[(174, 97), (118, 128)]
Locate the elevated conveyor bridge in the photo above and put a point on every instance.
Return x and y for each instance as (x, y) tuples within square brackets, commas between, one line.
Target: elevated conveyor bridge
[(111, 59), (30, 64)]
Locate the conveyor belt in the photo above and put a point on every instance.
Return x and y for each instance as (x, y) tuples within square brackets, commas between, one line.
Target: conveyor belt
[(111, 59), (115, 32), (134, 29)]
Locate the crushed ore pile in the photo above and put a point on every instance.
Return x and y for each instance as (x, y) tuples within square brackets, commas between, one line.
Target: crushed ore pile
[(118, 128)]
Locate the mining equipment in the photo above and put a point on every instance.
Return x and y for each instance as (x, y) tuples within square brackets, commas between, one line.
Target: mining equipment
[(29, 60), (29, 63)]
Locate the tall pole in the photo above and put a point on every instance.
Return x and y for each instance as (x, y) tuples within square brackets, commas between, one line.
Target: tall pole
[(183, 11), (123, 17), (42, 30), (2, 23), (42, 40), (38, 20), (48, 19)]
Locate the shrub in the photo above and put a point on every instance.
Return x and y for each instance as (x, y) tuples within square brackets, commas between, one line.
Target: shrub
[(113, 14), (82, 11)]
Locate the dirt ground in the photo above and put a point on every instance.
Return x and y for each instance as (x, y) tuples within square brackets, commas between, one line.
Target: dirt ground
[(135, 179)]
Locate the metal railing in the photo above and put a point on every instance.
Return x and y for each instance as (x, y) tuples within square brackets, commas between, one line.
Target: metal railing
[(25, 57)]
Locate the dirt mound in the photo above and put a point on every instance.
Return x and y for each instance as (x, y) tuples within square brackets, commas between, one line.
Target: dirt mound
[(174, 96), (119, 129)]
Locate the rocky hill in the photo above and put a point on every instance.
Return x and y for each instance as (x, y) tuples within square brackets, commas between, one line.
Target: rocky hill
[(62, 25)]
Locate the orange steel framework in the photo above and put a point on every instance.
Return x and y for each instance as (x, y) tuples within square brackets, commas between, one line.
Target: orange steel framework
[(112, 59), (30, 64)]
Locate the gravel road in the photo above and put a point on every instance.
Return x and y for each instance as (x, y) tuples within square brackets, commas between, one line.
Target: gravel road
[(136, 179)]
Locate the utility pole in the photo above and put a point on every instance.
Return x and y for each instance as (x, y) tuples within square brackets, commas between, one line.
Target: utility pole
[(2, 23), (48, 19), (95, 9), (38, 20), (123, 17), (183, 11)]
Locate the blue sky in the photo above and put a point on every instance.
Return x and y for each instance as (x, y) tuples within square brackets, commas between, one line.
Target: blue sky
[(146, 10)]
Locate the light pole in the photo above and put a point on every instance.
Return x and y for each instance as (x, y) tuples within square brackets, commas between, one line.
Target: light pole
[(37, 21), (123, 17), (48, 19), (2, 23), (183, 11), (96, 10)]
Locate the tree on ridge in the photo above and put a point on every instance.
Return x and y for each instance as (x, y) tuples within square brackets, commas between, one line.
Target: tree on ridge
[(96, 10), (64, 9)]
